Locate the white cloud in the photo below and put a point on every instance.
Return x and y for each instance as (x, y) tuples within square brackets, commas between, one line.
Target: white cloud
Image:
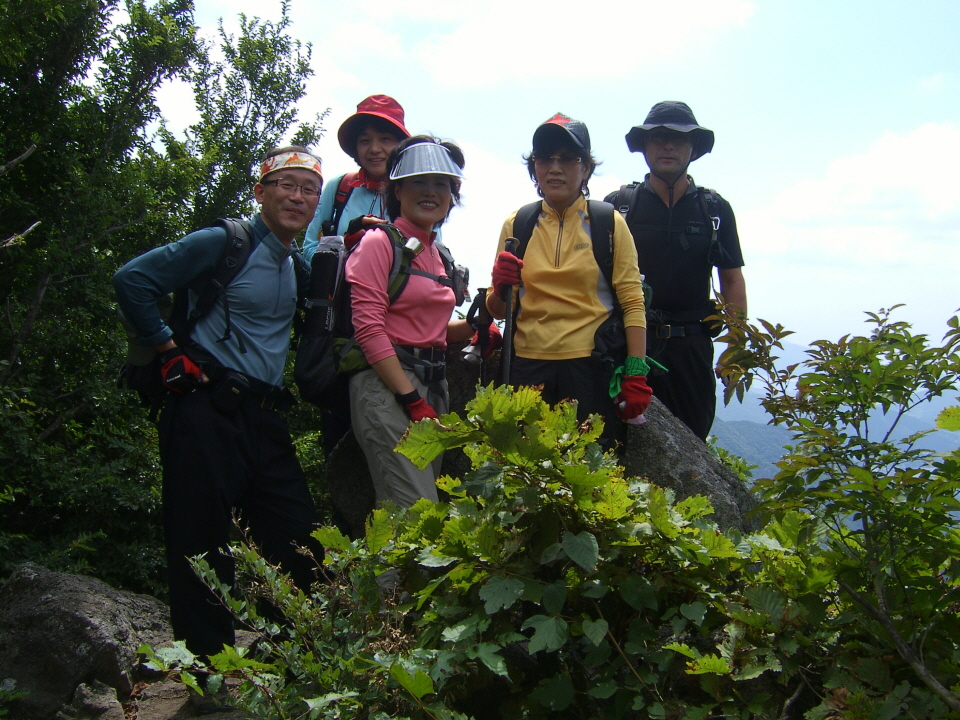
[(504, 39), (876, 229), (492, 189), (934, 84)]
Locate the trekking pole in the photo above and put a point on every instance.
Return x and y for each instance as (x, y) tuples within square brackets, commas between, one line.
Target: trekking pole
[(479, 317), (507, 350)]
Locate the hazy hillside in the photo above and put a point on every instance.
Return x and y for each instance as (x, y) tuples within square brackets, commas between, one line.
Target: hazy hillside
[(743, 428)]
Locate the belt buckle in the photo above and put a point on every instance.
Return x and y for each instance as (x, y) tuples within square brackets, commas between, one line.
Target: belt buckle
[(664, 331)]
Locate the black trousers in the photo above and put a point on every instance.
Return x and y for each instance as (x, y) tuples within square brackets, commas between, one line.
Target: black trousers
[(689, 389), (580, 379), (215, 465)]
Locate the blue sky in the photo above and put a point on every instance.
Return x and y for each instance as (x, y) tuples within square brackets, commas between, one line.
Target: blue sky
[(837, 124)]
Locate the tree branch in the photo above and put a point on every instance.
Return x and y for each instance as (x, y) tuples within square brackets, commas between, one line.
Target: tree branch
[(17, 238), (68, 415), (16, 161), (882, 616), (26, 327)]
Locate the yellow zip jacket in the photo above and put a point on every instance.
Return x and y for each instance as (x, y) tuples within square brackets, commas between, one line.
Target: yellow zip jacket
[(563, 295)]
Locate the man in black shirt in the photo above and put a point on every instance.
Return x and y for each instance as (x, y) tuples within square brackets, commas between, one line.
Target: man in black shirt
[(682, 232)]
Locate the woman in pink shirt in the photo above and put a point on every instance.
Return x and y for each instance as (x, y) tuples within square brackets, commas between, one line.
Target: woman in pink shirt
[(405, 341)]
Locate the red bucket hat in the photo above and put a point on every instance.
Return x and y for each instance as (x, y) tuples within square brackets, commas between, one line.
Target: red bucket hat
[(379, 106)]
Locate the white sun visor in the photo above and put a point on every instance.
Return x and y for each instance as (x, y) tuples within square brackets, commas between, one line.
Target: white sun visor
[(425, 159)]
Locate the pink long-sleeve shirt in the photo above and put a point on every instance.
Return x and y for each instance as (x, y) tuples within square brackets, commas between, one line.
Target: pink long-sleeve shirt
[(418, 317)]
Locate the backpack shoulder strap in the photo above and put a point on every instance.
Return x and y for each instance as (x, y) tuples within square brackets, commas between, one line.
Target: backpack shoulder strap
[(301, 270), (709, 200), (446, 257), (624, 201), (601, 237), (236, 252), (344, 190), (523, 224)]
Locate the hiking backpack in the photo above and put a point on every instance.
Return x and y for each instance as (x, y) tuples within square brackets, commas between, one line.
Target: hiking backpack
[(328, 352)]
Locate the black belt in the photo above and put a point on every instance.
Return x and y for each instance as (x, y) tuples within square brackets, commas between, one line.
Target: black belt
[(267, 396), (434, 355), (683, 330), (272, 397)]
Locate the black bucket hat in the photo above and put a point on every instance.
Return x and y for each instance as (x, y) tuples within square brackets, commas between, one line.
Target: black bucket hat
[(672, 115)]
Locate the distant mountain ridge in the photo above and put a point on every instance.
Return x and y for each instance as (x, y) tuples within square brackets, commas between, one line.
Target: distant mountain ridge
[(743, 429)]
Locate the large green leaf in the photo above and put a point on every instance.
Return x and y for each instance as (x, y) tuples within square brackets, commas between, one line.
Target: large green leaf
[(553, 598), (379, 530), (555, 693), (582, 548), (949, 418), (595, 630), (488, 655), (500, 593), (418, 684), (550, 633)]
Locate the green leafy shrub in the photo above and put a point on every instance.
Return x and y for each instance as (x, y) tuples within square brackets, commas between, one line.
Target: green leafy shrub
[(547, 584), (551, 586)]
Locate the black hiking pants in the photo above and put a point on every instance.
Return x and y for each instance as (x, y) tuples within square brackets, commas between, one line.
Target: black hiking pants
[(216, 465), (689, 390)]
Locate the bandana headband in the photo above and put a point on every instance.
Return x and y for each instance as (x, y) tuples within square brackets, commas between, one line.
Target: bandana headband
[(290, 161)]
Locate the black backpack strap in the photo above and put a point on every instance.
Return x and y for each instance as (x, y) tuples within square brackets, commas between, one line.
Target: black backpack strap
[(344, 190), (523, 224), (601, 237), (624, 202), (236, 252), (710, 207), (301, 270)]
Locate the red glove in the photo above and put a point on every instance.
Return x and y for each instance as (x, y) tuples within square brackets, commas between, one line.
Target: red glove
[(506, 272), (357, 227), (415, 406), (634, 398), (494, 343), (178, 372)]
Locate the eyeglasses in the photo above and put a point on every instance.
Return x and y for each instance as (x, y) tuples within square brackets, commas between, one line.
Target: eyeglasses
[(291, 187), (566, 161)]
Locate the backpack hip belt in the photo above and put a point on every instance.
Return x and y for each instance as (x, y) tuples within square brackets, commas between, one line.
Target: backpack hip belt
[(429, 364)]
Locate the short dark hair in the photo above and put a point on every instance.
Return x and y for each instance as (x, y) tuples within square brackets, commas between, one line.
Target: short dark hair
[(391, 199), (562, 145), (376, 124)]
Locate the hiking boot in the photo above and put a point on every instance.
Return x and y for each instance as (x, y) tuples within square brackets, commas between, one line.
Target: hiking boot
[(208, 703)]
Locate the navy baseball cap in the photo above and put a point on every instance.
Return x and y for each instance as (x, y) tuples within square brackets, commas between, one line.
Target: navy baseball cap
[(562, 128)]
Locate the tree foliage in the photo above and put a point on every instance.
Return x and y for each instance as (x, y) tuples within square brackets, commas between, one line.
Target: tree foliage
[(888, 507), (80, 473)]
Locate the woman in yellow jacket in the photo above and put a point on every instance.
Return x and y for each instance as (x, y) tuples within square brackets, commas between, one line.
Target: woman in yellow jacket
[(562, 295)]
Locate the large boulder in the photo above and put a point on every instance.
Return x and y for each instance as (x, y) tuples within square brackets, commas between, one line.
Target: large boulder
[(663, 450), (59, 631), (667, 453)]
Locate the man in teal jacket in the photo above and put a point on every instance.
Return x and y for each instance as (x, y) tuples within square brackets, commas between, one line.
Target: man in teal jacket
[(225, 447)]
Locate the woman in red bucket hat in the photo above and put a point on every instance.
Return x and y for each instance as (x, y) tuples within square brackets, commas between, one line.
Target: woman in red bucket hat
[(367, 136)]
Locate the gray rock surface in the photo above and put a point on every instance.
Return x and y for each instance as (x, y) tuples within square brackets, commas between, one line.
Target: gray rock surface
[(665, 451), (59, 631), (95, 701), (662, 450)]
